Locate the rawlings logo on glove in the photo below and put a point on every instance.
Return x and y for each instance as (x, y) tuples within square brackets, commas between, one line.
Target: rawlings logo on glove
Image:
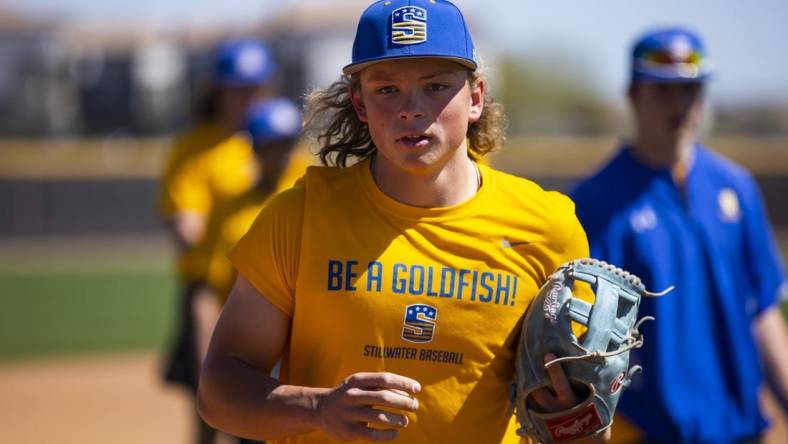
[(585, 422), (596, 364)]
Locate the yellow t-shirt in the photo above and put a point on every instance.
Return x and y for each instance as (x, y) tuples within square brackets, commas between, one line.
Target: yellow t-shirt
[(227, 223), (204, 168), (300, 159), (434, 294)]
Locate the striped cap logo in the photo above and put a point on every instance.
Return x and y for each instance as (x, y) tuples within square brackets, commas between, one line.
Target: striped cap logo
[(408, 25)]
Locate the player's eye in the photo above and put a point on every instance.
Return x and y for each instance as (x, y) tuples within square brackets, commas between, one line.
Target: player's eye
[(386, 90), (435, 87)]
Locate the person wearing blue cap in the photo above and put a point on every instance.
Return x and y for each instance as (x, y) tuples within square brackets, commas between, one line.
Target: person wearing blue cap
[(208, 164), (243, 72), (274, 126), (675, 213), (386, 281)]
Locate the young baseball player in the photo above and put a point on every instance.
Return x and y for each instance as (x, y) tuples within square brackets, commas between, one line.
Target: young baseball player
[(209, 164), (214, 161), (392, 285), (274, 126), (675, 213)]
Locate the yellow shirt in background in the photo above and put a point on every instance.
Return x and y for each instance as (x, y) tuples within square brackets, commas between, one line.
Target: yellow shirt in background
[(300, 160), (205, 167), (227, 223), (435, 294)]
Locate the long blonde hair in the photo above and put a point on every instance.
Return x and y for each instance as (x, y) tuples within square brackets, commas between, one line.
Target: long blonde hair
[(331, 120)]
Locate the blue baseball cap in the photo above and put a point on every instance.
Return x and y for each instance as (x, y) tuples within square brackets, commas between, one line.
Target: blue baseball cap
[(392, 29), (244, 62), (670, 55), (272, 120)]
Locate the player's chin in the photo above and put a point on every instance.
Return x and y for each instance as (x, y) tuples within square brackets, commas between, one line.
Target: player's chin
[(426, 160)]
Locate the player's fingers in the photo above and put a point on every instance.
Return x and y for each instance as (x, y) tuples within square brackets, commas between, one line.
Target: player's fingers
[(362, 432), (383, 380), (560, 383), (383, 398), (546, 400), (379, 417)]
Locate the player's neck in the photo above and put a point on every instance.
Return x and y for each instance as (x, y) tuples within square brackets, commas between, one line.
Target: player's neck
[(660, 155), (677, 157), (454, 183)]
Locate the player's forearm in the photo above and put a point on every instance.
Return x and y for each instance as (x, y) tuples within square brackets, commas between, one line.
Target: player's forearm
[(772, 334), (186, 229), (205, 312), (238, 399)]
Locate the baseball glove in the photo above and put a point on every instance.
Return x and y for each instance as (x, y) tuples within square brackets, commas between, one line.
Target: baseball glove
[(596, 363)]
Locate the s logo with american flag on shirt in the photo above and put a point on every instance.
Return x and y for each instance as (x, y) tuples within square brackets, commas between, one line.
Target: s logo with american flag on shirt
[(419, 323)]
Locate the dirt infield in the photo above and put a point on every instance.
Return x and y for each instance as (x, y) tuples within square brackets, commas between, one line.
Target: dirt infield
[(116, 399), (113, 399)]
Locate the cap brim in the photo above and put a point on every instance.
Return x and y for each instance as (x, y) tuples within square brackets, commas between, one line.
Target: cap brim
[(354, 68), (642, 77)]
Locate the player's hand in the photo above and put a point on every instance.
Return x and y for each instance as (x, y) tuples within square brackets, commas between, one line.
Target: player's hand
[(559, 396), (348, 411)]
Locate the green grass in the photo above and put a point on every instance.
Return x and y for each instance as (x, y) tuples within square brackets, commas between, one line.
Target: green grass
[(77, 312), (54, 306)]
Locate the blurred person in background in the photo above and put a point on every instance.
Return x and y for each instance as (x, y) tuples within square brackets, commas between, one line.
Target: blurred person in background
[(675, 213), (275, 128), (210, 163)]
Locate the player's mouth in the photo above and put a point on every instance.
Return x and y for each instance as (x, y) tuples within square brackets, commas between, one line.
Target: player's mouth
[(415, 140)]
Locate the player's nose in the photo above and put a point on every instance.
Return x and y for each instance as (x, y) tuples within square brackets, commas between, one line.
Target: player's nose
[(412, 107)]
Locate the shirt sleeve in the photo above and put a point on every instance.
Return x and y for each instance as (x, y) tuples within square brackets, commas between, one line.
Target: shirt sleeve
[(267, 255), (183, 187), (214, 253), (185, 190), (766, 267)]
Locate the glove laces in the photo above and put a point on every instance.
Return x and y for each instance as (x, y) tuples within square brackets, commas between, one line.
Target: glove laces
[(635, 341)]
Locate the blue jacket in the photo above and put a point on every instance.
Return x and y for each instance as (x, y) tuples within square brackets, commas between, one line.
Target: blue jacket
[(713, 242)]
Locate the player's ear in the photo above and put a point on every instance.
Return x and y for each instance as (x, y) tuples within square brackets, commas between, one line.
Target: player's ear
[(477, 99), (354, 91)]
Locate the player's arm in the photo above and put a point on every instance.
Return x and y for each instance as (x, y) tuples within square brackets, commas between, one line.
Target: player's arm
[(185, 200), (772, 336), (764, 259), (205, 312), (237, 394), (186, 228)]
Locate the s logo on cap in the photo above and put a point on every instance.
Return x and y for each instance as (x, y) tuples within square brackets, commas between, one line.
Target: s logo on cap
[(408, 25)]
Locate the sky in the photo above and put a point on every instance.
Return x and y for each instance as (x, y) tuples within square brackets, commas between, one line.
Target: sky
[(746, 39)]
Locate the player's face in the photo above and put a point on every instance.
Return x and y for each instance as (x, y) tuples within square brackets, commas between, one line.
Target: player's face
[(668, 112), (418, 111)]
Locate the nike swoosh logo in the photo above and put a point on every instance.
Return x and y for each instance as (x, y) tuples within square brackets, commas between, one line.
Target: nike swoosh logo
[(506, 243)]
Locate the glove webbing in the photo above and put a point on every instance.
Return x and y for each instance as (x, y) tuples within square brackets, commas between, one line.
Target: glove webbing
[(580, 311)]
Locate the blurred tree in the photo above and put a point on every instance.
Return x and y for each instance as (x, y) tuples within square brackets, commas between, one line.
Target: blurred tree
[(550, 95), (756, 119)]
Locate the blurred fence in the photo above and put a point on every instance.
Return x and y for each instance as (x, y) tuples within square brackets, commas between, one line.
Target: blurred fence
[(86, 187)]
